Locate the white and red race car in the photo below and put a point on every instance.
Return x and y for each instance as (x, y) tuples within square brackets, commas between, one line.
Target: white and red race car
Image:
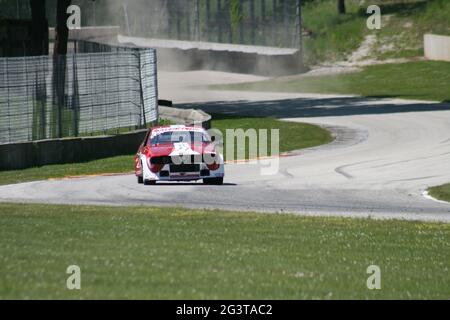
[(178, 153)]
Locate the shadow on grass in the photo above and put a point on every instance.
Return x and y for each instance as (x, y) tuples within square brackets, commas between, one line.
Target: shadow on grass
[(225, 116)]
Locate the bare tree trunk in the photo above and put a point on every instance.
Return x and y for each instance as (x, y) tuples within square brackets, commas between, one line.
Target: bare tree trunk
[(341, 7), (59, 66), (62, 32), (39, 33), (299, 28), (208, 20), (178, 15), (39, 47), (241, 21), (197, 20), (253, 21)]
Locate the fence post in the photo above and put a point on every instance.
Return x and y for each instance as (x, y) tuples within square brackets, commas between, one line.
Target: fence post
[(9, 99), (207, 20), (286, 23), (299, 30), (155, 82), (94, 13), (43, 98), (229, 22), (75, 98), (144, 123), (219, 21), (197, 20), (274, 21), (253, 18), (127, 22), (241, 21), (188, 24), (30, 132), (263, 21), (178, 17), (59, 71)]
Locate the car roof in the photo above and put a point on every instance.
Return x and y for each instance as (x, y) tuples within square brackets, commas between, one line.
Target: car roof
[(175, 128)]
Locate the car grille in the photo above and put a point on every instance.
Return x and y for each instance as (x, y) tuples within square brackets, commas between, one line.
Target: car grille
[(198, 158), (161, 160), (184, 168)]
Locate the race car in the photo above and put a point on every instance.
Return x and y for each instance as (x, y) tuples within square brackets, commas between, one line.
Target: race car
[(178, 153)]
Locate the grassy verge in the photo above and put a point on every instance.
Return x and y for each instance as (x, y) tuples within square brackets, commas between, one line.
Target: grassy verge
[(293, 136), (441, 192), (163, 253), (423, 80), (333, 36), (404, 22)]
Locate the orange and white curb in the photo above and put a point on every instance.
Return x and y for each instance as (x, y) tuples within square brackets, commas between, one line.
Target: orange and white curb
[(283, 155), (91, 176), (243, 161)]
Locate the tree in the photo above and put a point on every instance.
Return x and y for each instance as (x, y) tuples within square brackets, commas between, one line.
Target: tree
[(59, 66), (39, 47), (61, 30), (341, 7), (39, 33)]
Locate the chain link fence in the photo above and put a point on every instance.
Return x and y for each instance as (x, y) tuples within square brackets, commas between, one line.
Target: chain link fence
[(75, 95), (250, 22)]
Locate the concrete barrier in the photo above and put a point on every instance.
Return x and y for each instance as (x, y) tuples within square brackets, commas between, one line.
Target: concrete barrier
[(437, 47), (189, 117), (73, 150), (70, 150), (176, 55), (90, 33)]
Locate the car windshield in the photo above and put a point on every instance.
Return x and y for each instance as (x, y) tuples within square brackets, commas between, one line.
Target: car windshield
[(180, 136)]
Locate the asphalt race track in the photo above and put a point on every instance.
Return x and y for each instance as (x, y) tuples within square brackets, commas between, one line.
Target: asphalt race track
[(386, 154)]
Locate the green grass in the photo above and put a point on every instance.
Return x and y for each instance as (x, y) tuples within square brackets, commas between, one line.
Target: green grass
[(405, 22), (155, 253), (423, 80), (441, 192), (293, 136), (334, 36), (119, 164)]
